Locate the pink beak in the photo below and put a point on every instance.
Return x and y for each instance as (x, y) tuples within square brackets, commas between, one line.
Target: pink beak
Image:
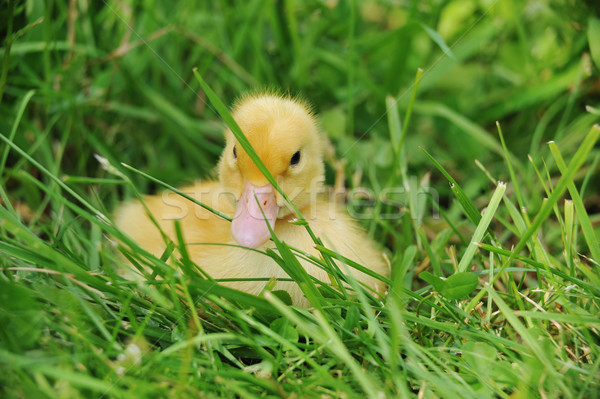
[(249, 226)]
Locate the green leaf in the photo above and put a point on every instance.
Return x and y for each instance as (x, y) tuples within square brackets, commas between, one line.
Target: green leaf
[(283, 296), (409, 109), (481, 356), (459, 285), (438, 284), (285, 328)]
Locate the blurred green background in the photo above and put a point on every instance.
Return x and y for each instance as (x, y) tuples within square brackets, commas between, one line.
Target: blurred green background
[(115, 78)]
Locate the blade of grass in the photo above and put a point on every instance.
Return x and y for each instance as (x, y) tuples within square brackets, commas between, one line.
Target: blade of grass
[(435, 262), (528, 339), (511, 171), (590, 320), (541, 267), (13, 131), (352, 263), (394, 124), (187, 267), (582, 215), (352, 61), (463, 333), (239, 135), (22, 153), (593, 32), (547, 205), (409, 109), (7, 45), (79, 379), (589, 175), (568, 235), (467, 205), (578, 160), (465, 262), (178, 192), (322, 331), (292, 266)]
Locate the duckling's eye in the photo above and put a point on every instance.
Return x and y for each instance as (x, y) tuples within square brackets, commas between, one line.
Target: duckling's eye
[(295, 158), (234, 153)]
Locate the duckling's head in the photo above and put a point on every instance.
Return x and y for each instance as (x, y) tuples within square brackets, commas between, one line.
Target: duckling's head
[(284, 134)]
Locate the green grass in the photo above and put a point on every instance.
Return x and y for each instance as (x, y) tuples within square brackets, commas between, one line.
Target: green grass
[(494, 290)]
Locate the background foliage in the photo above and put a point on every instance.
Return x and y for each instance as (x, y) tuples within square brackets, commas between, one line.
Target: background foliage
[(114, 78)]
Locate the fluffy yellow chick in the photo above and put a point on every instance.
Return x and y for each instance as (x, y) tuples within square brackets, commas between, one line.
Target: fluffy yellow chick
[(284, 134)]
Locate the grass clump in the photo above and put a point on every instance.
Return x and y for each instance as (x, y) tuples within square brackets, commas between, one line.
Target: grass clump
[(495, 287)]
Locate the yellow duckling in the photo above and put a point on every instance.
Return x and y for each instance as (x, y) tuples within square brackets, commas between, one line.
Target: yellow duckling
[(284, 134)]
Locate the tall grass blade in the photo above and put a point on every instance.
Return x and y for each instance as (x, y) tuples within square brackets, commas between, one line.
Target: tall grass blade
[(35, 163), (239, 135), (466, 204), (582, 215), (529, 340), (178, 192), (516, 185), (409, 109), (324, 334), (544, 268), (15, 126), (561, 186)]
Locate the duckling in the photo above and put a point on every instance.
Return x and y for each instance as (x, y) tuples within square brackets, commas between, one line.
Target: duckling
[(284, 133)]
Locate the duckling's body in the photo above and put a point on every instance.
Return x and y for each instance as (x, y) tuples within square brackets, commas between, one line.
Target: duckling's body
[(284, 134)]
